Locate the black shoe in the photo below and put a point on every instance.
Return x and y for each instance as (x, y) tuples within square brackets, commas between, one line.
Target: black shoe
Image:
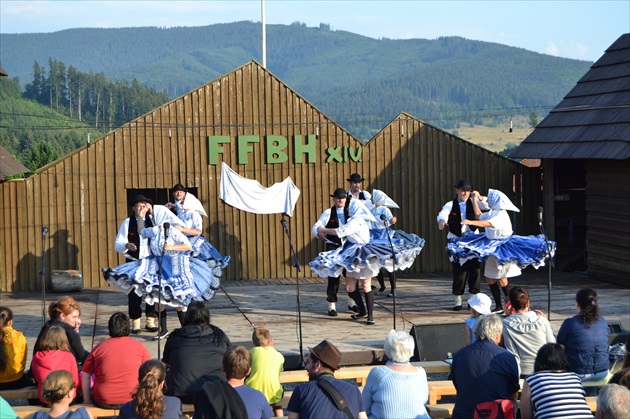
[(161, 336), (332, 313), (498, 310), (150, 329), (458, 308), (358, 316), (354, 309), (370, 321), (136, 331)]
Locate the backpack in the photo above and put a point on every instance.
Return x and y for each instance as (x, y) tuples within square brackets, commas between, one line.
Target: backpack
[(498, 409)]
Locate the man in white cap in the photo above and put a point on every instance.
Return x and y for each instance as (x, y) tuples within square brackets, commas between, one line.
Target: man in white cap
[(334, 217)]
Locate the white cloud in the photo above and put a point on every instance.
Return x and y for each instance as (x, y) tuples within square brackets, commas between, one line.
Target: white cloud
[(581, 50), (552, 48)]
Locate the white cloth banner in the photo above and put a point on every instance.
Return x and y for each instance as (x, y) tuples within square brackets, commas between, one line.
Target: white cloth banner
[(249, 195)]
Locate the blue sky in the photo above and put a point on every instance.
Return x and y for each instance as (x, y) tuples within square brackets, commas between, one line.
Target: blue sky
[(573, 29)]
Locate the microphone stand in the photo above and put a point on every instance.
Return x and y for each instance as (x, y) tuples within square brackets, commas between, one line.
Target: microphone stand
[(391, 245), (42, 274), (550, 265), (159, 309), (296, 265)]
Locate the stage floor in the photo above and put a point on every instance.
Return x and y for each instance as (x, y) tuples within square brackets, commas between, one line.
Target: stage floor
[(241, 305)]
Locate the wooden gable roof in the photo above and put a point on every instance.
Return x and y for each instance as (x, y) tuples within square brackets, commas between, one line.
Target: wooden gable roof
[(9, 166), (593, 119)]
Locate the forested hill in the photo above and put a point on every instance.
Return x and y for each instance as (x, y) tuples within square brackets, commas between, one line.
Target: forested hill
[(358, 81)]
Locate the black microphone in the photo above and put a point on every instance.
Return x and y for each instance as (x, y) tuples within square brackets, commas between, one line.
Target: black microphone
[(383, 217), (44, 231), (540, 215), (167, 226)]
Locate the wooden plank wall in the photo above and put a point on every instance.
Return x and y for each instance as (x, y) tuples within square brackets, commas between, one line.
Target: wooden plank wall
[(608, 220), (82, 197)]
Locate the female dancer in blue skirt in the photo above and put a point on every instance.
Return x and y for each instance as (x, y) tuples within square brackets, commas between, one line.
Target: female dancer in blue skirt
[(189, 209), (379, 231), (183, 278), (505, 253), (360, 257)]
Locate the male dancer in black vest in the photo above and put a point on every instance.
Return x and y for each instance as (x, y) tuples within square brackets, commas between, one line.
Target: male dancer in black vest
[(451, 216), (356, 192), (333, 218), (133, 246)]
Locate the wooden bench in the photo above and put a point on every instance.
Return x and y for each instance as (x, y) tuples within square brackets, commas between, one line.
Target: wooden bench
[(20, 393), (360, 373), (440, 411)]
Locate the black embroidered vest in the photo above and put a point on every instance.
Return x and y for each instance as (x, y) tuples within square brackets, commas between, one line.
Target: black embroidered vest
[(133, 236), (455, 217), (333, 222)]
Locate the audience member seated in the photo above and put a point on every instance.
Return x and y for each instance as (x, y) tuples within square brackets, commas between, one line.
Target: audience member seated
[(525, 331), (114, 365), (585, 339), (66, 313), (193, 353), (267, 364), (59, 391), (553, 391), (398, 389), (53, 353), (479, 305), (13, 351), (314, 399), (218, 399), (148, 400), (483, 371), (621, 377), (613, 402), (237, 364), (6, 411)]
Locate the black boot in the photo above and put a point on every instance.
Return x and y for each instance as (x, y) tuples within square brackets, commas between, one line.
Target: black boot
[(369, 302), (356, 296), (163, 332), (392, 284), (496, 293), (181, 315), (381, 281)]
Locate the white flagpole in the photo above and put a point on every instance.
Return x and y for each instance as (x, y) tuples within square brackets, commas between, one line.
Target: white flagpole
[(264, 35)]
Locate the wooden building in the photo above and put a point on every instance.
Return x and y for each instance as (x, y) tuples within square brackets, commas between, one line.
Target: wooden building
[(584, 144), (265, 131)]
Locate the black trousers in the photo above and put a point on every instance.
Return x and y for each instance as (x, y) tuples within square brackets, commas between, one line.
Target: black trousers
[(333, 283), (135, 307), (468, 272)]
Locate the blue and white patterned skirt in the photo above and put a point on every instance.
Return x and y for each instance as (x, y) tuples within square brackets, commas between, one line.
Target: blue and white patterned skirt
[(366, 260), (184, 279), (204, 250), (521, 251)]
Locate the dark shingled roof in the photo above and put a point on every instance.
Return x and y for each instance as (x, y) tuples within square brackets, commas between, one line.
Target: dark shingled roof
[(593, 119), (2, 72), (9, 166)]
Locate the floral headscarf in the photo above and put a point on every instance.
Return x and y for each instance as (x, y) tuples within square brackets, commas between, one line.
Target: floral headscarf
[(497, 200), (357, 209)]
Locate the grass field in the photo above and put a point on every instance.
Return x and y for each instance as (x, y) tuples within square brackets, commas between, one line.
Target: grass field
[(494, 138)]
